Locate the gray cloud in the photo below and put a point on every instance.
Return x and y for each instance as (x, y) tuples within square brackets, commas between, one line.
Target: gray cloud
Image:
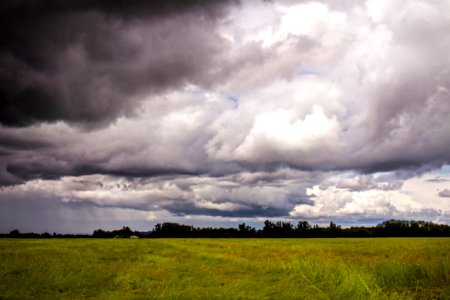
[(310, 122), (181, 209), (90, 62), (178, 195), (444, 193), (364, 182), (438, 180)]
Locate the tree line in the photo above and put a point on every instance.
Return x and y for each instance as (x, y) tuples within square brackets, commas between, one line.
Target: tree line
[(303, 229)]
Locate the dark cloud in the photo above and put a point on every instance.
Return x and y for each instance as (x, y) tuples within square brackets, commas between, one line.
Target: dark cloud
[(14, 142), (438, 180), (444, 193), (92, 61), (6, 177), (33, 167), (180, 209), (139, 8)]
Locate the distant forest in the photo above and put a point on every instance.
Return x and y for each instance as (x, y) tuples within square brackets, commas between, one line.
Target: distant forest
[(303, 229)]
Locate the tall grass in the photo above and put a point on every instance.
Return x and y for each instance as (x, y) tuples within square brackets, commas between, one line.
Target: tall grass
[(391, 268)]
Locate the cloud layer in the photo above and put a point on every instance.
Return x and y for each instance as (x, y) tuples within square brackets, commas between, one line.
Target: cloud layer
[(225, 109)]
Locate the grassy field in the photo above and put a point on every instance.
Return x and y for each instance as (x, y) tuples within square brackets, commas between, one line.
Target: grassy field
[(388, 268)]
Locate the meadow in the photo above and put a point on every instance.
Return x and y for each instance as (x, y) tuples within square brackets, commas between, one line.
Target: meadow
[(377, 268)]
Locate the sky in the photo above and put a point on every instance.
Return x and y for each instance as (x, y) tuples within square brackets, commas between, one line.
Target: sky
[(215, 113)]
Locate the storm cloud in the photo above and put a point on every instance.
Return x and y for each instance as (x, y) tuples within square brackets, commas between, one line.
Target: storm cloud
[(222, 111), (90, 62)]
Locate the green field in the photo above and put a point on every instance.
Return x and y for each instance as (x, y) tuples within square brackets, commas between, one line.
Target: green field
[(383, 268)]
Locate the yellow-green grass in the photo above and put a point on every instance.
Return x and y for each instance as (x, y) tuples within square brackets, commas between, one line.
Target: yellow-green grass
[(379, 268)]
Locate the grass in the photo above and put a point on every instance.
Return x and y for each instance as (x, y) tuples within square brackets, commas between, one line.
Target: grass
[(384, 268)]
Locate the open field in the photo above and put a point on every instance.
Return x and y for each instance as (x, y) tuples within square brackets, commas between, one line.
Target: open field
[(385, 268)]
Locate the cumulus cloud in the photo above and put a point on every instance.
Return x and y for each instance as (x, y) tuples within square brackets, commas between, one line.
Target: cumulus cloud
[(281, 133), (350, 206)]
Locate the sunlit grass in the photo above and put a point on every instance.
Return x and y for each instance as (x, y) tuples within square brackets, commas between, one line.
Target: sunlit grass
[(390, 268)]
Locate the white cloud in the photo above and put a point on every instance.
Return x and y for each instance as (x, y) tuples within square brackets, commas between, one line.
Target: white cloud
[(341, 204), (314, 20), (281, 133), (378, 196)]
